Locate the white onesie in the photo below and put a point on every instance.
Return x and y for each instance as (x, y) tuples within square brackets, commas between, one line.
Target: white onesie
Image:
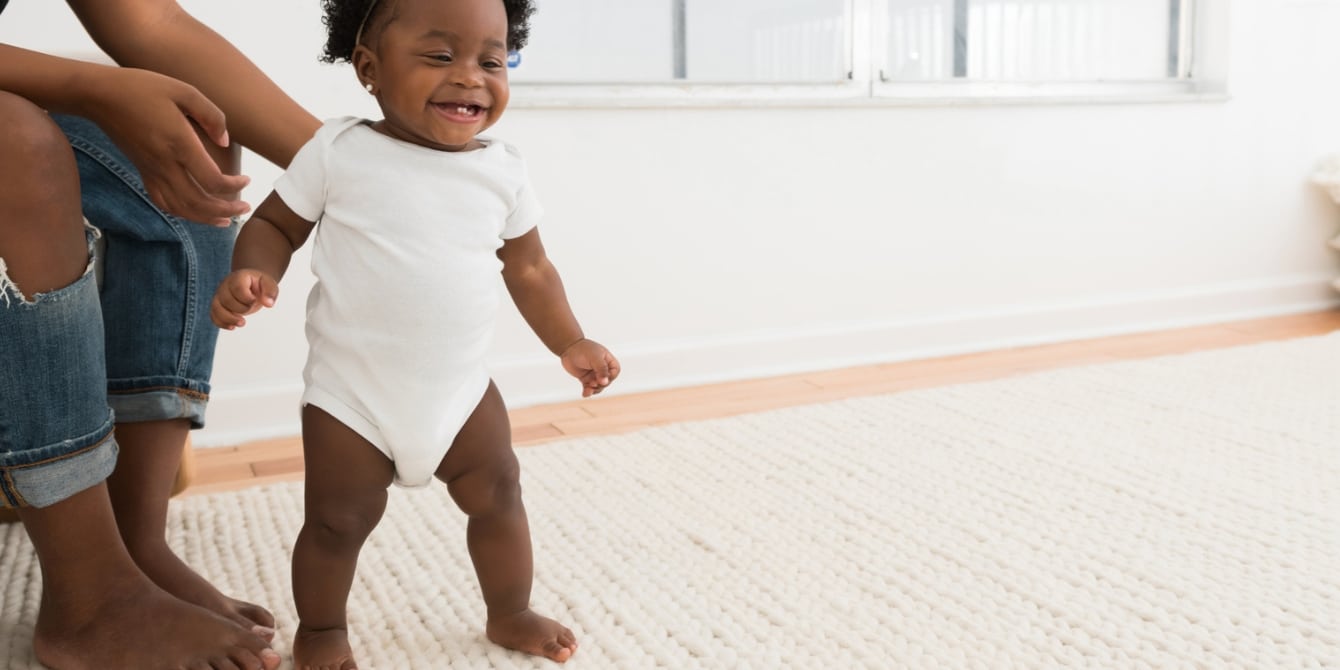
[(407, 290)]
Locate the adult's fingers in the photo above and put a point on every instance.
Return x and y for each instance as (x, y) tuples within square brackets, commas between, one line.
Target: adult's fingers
[(206, 193), (205, 113), (176, 190)]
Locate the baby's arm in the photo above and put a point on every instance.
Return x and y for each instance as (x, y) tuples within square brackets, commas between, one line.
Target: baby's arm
[(537, 290), (264, 249)]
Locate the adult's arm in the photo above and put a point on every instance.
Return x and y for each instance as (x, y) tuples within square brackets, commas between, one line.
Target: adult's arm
[(147, 114), (159, 35)]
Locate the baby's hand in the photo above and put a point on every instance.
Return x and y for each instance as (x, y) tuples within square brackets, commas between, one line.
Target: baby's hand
[(591, 363), (241, 293)]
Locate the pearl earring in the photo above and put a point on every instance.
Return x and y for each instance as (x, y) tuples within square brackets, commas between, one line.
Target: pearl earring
[(368, 87)]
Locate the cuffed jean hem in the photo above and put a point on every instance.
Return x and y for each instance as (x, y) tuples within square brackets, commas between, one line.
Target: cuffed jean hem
[(53, 384), (158, 399), (47, 475)]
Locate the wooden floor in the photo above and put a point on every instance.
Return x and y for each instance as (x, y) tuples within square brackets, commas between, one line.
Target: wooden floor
[(281, 460)]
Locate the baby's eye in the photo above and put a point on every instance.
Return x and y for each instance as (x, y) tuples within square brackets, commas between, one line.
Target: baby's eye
[(492, 65), (445, 58)]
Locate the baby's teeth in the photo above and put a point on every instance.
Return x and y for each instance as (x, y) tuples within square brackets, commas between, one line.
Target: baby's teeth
[(463, 109)]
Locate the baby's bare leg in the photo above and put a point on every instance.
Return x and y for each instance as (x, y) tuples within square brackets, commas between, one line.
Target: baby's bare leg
[(483, 477), (345, 497)]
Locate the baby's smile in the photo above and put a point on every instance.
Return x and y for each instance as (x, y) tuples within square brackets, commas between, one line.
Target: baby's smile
[(461, 112)]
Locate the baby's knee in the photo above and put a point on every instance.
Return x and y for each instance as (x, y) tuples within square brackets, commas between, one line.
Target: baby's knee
[(343, 527), (488, 491)]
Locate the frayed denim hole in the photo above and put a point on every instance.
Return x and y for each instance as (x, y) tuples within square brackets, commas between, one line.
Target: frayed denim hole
[(10, 291)]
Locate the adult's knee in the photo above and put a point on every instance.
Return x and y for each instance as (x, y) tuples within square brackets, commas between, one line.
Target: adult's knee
[(39, 168), (41, 220)]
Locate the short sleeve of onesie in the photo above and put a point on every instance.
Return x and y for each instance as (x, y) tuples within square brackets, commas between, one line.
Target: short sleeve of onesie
[(303, 185), (525, 216), (527, 212)]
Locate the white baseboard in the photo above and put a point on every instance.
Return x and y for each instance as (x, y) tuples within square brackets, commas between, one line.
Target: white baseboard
[(245, 415)]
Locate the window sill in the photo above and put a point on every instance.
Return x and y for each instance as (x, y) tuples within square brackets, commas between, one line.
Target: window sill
[(853, 95)]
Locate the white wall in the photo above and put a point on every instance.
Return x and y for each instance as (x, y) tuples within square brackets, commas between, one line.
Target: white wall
[(712, 244)]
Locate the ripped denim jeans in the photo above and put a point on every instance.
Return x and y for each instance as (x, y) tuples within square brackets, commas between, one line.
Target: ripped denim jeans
[(130, 341)]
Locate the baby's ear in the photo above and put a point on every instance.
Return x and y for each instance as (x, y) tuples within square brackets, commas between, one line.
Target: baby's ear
[(365, 66)]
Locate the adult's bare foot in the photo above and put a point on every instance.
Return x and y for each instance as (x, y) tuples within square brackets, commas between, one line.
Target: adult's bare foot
[(99, 610), (144, 627), (140, 489), (533, 634), (326, 649), (174, 576)]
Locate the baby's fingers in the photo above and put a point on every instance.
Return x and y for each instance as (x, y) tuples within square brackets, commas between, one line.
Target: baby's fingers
[(224, 318), (612, 368), (235, 295), (265, 289), (592, 384)]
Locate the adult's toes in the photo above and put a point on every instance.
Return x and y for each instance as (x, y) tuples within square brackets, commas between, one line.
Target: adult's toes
[(246, 659), (266, 659), (223, 663), (263, 632), (258, 615)]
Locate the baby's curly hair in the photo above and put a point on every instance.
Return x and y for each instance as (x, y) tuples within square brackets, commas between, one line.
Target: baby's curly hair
[(343, 17)]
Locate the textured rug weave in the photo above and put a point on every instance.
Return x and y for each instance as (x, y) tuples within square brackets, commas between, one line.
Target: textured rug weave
[(1177, 512)]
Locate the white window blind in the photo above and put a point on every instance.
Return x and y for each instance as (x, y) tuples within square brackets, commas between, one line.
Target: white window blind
[(1032, 40), (667, 41), (851, 48)]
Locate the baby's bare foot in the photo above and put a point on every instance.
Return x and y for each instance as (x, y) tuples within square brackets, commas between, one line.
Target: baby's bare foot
[(145, 627), (326, 649), (533, 634)]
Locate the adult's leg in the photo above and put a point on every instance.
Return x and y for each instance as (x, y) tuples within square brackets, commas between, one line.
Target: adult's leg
[(140, 488), (98, 609), (344, 498), (484, 478), (158, 272)]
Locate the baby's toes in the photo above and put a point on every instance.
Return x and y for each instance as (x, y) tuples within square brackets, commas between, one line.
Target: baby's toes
[(567, 639), (556, 651)]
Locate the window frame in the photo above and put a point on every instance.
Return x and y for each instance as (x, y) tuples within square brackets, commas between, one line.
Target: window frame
[(866, 86)]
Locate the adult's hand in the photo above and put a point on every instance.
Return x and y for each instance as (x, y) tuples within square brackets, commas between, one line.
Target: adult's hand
[(150, 117)]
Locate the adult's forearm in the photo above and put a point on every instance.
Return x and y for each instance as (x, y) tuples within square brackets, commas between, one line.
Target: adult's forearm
[(52, 83), (162, 37)]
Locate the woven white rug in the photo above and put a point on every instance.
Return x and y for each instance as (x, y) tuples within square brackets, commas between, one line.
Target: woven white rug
[(1179, 512)]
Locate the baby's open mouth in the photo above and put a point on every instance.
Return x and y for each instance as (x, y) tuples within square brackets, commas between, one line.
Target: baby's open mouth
[(459, 111)]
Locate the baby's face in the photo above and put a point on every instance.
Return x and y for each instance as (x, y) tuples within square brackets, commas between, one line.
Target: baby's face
[(440, 71)]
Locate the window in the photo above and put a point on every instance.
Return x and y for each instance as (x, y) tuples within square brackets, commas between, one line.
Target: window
[(853, 49), (668, 41), (1032, 40)]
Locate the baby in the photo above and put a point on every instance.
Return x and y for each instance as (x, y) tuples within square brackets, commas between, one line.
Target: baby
[(418, 214)]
